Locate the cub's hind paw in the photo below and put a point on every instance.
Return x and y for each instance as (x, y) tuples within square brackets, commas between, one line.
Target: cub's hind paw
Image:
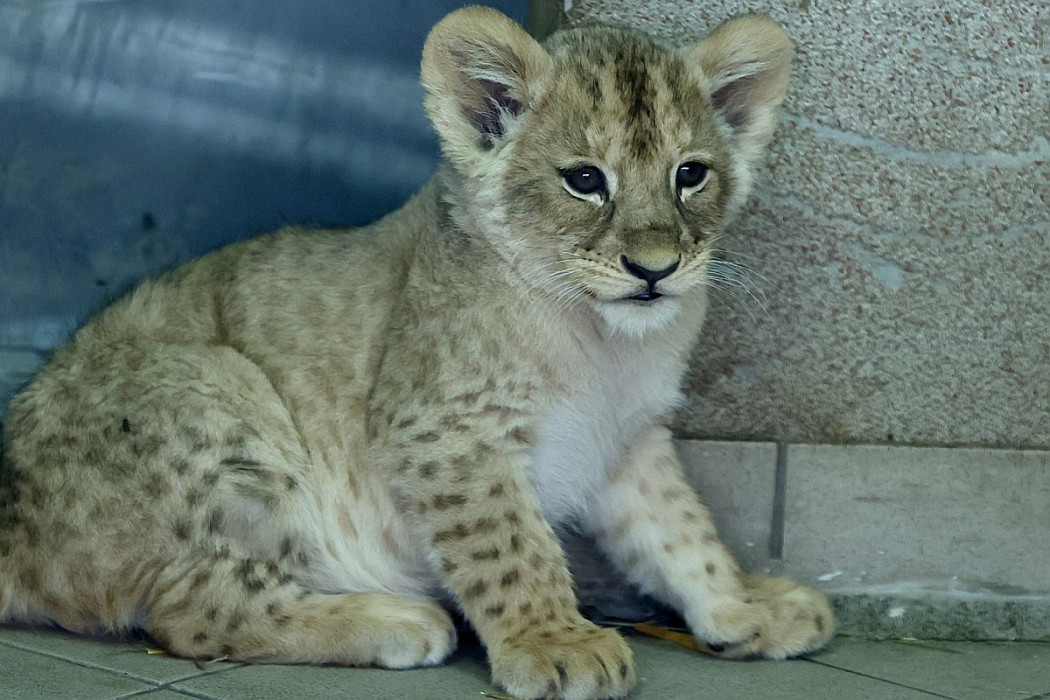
[(416, 633)]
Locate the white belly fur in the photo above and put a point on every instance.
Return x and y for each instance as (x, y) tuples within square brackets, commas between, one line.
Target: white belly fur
[(628, 385)]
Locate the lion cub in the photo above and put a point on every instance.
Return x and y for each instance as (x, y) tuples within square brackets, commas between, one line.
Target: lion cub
[(290, 450)]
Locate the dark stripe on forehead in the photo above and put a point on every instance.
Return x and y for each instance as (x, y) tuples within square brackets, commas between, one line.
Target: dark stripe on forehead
[(591, 82), (639, 96), (677, 82)]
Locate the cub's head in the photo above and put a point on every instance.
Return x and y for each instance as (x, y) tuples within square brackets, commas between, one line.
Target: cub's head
[(603, 165)]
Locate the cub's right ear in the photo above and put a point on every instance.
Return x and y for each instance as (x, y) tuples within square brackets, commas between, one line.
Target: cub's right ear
[(481, 72)]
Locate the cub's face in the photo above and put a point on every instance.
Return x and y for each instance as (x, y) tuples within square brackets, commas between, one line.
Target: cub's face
[(625, 158), (605, 165)]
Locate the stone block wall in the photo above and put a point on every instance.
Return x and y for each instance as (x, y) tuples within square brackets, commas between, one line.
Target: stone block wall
[(894, 266)]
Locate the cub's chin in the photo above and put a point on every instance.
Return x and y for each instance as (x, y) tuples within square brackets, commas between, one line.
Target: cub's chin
[(639, 318)]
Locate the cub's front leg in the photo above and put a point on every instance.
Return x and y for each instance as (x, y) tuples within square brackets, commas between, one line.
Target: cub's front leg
[(462, 473), (651, 522)]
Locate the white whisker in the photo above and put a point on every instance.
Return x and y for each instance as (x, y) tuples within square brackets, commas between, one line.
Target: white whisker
[(729, 284), (741, 268)]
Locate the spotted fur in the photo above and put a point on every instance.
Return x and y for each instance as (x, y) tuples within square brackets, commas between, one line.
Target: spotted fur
[(292, 449)]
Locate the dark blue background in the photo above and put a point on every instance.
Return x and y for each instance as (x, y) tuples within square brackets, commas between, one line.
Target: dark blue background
[(137, 134)]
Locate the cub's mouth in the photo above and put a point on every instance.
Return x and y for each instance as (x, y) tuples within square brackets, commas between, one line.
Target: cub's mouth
[(646, 297)]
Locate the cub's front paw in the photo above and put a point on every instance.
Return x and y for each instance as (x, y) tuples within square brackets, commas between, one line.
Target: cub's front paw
[(576, 663), (780, 619)]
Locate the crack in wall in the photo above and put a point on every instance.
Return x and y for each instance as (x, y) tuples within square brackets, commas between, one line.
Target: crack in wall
[(771, 198), (1037, 154)]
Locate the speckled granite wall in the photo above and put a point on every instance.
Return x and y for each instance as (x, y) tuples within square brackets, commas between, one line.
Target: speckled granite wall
[(899, 242)]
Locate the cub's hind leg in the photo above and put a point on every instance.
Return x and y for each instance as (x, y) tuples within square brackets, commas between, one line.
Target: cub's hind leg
[(132, 462), (223, 606)]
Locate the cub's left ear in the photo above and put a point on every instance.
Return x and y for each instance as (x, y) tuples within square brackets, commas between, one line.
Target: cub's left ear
[(481, 72), (746, 65)]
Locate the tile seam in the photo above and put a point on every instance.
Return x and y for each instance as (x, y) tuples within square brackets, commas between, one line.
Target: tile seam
[(777, 524), (85, 664), (135, 694), (205, 673), (882, 680), (170, 687), (165, 687)]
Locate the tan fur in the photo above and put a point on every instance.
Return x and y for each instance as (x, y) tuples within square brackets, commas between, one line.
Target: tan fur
[(287, 450)]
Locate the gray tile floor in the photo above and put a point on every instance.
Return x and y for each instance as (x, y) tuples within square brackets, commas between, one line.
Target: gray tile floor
[(44, 664)]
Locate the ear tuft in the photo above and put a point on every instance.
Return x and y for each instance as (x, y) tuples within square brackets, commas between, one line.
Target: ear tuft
[(481, 72), (746, 64), (496, 110)]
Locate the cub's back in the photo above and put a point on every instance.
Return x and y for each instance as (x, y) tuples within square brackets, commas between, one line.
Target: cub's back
[(297, 299)]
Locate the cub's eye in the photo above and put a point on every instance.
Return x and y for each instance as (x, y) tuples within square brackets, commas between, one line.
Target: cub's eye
[(690, 176), (585, 182)]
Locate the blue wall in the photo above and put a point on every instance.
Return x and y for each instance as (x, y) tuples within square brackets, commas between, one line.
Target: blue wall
[(137, 134)]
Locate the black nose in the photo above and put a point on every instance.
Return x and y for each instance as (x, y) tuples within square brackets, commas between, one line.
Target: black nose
[(651, 277)]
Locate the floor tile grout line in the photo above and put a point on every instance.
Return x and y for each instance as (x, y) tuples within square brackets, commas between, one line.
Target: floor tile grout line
[(192, 693), (85, 664), (121, 672), (776, 527), (177, 691), (884, 680), (135, 694), (169, 686), (205, 673)]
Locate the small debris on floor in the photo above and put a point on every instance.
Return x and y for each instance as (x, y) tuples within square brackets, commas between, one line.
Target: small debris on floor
[(682, 639)]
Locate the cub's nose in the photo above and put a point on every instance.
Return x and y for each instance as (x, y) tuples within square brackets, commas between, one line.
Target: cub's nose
[(651, 277)]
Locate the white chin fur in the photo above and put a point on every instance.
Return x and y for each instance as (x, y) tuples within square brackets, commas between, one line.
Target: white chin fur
[(637, 319)]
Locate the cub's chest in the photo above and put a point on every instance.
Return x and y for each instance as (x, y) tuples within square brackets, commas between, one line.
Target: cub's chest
[(585, 432)]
